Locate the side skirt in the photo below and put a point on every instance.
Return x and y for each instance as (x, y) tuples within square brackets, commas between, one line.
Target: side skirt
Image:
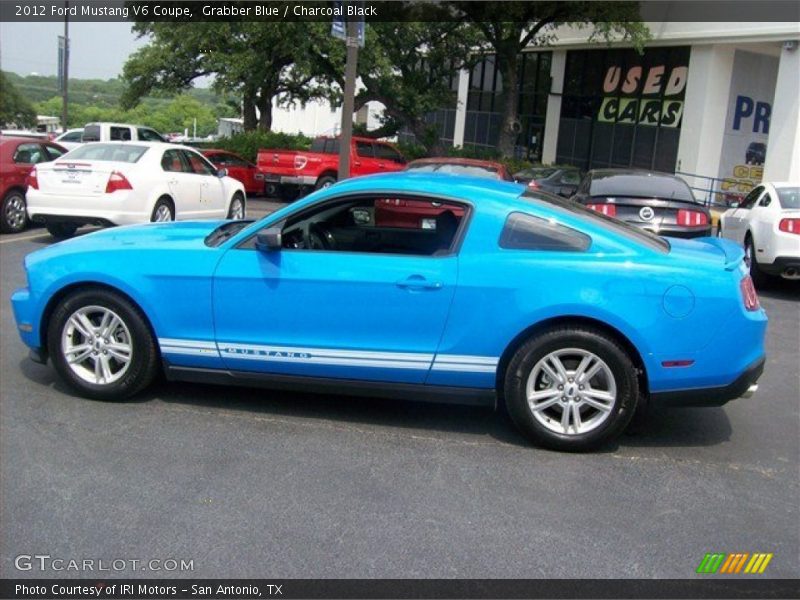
[(318, 385)]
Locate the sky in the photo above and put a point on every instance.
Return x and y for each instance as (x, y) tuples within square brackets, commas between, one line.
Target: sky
[(97, 51)]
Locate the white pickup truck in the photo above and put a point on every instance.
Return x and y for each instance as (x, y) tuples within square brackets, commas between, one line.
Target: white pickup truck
[(119, 132)]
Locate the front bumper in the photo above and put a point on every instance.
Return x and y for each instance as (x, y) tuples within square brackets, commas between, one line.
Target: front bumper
[(742, 386)]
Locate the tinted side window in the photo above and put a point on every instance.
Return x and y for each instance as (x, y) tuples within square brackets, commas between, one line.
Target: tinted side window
[(171, 161), (525, 232), (751, 198), (199, 165), (54, 152), (365, 149), (120, 134), (386, 152), (148, 135), (91, 133), (75, 136), (29, 154), (766, 200)]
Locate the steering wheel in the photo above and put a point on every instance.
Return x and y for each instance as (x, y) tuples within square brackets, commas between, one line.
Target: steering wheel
[(317, 237)]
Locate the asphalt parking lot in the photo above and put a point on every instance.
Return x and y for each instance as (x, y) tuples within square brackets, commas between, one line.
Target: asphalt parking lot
[(253, 483)]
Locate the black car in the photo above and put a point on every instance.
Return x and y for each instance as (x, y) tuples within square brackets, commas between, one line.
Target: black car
[(657, 202), (756, 153), (556, 180)]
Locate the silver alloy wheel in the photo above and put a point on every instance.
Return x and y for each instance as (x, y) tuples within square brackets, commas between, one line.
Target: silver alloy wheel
[(15, 213), (163, 214), (96, 344), (237, 209), (571, 391)]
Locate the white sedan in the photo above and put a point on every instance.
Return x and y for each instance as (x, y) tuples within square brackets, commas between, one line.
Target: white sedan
[(121, 183), (767, 224)]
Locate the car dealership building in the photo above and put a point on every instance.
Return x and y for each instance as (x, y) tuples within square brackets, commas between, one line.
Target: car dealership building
[(715, 102), (709, 100)]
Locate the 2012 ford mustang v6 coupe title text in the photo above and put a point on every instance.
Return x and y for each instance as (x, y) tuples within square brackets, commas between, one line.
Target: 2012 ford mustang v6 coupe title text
[(490, 293)]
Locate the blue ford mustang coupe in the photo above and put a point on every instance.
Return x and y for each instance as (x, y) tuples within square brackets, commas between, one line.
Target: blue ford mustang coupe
[(408, 285)]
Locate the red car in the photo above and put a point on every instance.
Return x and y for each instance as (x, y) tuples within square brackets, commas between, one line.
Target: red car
[(296, 171), (18, 155), (418, 214), (238, 168)]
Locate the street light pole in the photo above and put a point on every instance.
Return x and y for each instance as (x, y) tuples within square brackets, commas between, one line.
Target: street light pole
[(349, 99), (64, 94)]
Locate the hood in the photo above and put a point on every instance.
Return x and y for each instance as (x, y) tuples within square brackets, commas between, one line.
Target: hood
[(149, 236), (709, 250)]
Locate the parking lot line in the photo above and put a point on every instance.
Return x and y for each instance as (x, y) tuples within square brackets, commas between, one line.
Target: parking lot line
[(27, 237)]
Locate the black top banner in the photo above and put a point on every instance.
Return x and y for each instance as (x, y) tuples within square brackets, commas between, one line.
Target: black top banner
[(245, 589), (377, 10)]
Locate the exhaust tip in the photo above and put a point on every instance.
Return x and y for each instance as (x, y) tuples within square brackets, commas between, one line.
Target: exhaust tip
[(750, 391), (791, 273)]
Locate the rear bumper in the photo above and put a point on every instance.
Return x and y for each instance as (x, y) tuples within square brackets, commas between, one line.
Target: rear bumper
[(781, 265), (78, 220), (679, 232), (119, 208), (743, 386), (298, 180)]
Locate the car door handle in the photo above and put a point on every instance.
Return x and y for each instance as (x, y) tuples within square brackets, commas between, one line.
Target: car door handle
[(418, 282)]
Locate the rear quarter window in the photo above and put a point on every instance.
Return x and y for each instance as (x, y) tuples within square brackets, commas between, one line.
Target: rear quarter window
[(91, 133), (526, 232)]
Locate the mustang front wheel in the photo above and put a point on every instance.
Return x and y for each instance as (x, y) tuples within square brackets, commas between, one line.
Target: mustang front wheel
[(571, 388), (102, 345)]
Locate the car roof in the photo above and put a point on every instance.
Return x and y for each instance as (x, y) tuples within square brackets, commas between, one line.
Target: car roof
[(440, 184), (448, 160), (782, 184), (117, 124)]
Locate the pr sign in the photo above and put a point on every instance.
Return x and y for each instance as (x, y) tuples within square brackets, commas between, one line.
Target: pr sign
[(744, 145)]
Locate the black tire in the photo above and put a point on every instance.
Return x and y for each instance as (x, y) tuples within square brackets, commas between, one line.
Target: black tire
[(583, 339), (289, 193), (325, 181), (143, 365), (756, 274), (232, 210), (14, 217), (160, 211), (62, 230)]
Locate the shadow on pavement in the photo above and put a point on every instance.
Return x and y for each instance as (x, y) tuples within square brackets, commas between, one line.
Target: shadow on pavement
[(684, 427)]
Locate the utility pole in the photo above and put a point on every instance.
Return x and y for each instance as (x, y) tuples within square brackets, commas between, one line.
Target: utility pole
[(64, 93), (349, 98)]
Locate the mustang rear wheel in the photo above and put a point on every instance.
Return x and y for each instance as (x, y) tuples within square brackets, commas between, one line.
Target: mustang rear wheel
[(571, 388), (101, 345)]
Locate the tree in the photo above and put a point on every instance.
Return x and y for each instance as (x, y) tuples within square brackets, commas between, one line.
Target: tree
[(14, 108), (251, 59), (408, 67), (508, 28)]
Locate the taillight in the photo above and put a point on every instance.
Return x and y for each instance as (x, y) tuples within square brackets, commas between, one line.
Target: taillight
[(609, 210), (117, 181), (533, 185), (33, 179), (790, 226), (692, 218), (300, 162), (749, 294)]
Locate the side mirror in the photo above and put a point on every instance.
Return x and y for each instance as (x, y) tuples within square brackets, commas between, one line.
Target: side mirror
[(269, 240), (222, 173)]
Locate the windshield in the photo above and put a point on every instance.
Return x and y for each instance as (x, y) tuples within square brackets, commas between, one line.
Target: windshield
[(789, 197), (641, 185), (455, 169), (107, 152), (622, 228)]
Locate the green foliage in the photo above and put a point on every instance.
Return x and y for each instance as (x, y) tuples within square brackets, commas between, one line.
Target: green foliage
[(175, 115), (412, 151), (14, 107), (248, 144)]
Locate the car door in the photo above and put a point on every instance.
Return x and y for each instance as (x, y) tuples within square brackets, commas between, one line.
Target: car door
[(366, 315), (387, 158), (184, 186), (736, 223), (239, 170), (212, 190), (364, 162)]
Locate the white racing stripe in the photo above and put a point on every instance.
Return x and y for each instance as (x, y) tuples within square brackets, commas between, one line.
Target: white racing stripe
[(333, 357)]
